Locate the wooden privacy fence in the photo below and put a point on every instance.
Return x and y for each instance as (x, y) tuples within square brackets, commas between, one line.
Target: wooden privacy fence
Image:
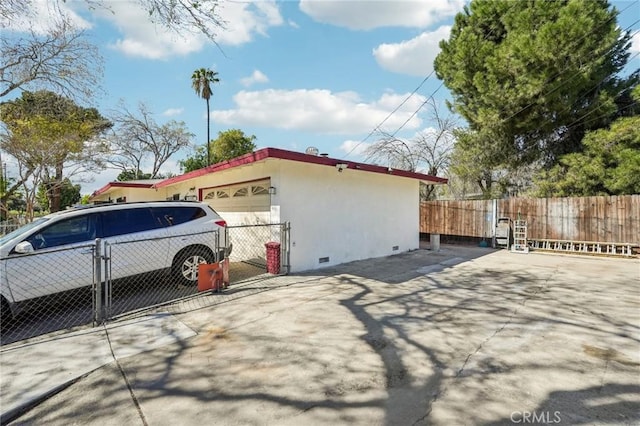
[(602, 218)]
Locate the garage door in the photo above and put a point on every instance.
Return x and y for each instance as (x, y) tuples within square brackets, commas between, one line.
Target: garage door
[(242, 197)]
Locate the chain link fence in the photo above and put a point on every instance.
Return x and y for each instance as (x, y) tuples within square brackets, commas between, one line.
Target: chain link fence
[(87, 284), (258, 250), (53, 291), (174, 270)]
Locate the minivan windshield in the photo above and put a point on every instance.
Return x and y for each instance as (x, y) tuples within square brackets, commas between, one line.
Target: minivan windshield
[(22, 230)]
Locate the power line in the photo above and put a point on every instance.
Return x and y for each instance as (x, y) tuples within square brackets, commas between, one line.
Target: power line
[(376, 128), (416, 111), (531, 146), (391, 113), (562, 83), (549, 80)]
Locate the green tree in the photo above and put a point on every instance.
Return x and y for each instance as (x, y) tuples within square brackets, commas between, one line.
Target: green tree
[(126, 175), (69, 194), (609, 164), (8, 202), (47, 133), (197, 161), (201, 81), (230, 144), (531, 78)]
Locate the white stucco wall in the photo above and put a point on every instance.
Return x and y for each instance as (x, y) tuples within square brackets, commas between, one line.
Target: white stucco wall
[(345, 216), (132, 194)]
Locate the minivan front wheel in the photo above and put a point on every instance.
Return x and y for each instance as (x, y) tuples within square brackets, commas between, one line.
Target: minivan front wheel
[(185, 264)]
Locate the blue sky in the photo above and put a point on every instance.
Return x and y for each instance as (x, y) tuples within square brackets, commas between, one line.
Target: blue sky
[(292, 73)]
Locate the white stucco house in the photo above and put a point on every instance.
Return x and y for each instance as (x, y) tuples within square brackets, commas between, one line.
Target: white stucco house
[(121, 192), (339, 210)]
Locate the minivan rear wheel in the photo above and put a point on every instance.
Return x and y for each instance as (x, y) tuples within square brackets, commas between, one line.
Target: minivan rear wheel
[(185, 264)]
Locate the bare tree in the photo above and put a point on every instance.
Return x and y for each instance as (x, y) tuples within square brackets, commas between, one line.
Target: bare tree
[(182, 16), (138, 141), (12, 9), (178, 16), (60, 59), (429, 151)]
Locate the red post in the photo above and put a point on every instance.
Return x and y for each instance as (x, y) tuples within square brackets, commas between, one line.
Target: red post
[(273, 257)]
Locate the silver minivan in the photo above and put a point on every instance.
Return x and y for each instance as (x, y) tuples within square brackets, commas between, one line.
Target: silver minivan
[(173, 235)]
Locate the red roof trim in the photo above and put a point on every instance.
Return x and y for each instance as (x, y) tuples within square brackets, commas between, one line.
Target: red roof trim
[(120, 185), (283, 154)]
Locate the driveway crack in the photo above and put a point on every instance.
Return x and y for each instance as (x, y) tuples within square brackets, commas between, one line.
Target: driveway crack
[(134, 398), (531, 295), (509, 320)]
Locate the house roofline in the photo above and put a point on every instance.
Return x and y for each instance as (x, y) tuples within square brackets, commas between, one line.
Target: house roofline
[(282, 154), (121, 185)]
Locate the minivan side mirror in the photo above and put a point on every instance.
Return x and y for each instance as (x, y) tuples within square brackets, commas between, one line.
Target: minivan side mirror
[(23, 247)]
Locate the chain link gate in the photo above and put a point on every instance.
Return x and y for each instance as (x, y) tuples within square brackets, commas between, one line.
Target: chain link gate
[(253, 248), (130, 287), (92, 283)]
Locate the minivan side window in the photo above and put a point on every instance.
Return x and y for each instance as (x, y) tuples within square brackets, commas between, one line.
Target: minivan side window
[(128, 221), (171, 216), (67, 231)]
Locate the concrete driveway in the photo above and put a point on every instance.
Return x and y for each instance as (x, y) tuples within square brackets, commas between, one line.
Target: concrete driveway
[(466, 336)]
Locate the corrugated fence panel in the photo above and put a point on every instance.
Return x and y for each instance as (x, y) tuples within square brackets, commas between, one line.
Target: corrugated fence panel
[(603, 218)]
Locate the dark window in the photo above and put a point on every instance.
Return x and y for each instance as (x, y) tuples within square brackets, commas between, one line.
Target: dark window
[(170, 216), (67, 231), (128, 221)]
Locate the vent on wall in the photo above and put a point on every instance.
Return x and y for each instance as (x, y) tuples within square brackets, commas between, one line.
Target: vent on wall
[(323, 260)]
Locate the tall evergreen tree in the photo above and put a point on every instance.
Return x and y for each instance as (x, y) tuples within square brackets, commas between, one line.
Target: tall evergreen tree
[(531, 78)]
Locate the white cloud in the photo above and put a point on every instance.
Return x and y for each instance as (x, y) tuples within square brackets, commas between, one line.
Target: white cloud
[(355, 148), (635, 43), (173, 111), (244, 19), (412, 57), (366, 15), (141, 38), (170, 167), (91, 181), (41, 16), (256, 77), (319, 111)]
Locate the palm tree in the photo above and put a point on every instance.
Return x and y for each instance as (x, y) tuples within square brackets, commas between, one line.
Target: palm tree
[(201, 80)]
